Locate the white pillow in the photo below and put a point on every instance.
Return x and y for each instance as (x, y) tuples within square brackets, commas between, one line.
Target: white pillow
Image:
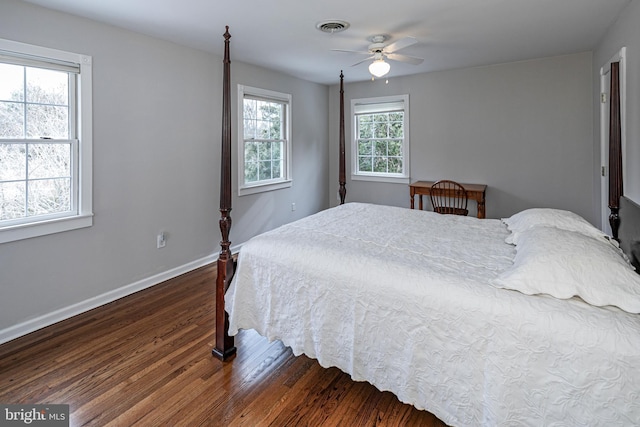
[(548, 217), (565, 263)]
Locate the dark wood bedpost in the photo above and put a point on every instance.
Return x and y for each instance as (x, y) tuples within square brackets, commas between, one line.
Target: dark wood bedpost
[(615, 150), (225, 347), (342, 179)]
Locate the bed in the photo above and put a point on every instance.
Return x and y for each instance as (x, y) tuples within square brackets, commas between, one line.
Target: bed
[(478, 321)]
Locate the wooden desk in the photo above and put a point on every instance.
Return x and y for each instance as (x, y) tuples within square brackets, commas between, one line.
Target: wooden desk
[(474, 192)]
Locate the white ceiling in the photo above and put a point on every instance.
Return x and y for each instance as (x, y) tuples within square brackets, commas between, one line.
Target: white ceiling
[(282, 34)]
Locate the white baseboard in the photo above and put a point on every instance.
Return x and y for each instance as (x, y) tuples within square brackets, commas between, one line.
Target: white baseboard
[(48, 319)]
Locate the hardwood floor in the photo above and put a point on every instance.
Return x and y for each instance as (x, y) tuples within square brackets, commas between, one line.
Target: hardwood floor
[(146, 360)]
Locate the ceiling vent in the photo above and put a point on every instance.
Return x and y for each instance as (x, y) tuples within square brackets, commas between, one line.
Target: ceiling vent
[(332, 26)]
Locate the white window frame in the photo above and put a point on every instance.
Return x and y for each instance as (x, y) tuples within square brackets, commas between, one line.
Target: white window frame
[(275, 184), (378, 104), (82, 215)]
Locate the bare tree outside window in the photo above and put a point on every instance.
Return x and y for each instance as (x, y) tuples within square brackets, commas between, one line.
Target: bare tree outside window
[(35, 142)]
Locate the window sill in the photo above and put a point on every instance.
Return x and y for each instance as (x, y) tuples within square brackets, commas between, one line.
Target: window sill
[(243, 191), (378, 178), (43, 228)]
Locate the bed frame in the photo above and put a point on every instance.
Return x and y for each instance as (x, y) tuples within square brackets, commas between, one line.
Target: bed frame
[(224, 347), (629, 228)]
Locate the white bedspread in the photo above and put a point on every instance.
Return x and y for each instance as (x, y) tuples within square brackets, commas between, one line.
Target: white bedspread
[(400, 298)]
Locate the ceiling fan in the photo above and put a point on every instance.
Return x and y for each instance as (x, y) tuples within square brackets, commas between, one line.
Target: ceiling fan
[(378, 51)]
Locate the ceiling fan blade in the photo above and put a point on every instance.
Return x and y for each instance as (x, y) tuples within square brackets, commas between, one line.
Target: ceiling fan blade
[(405, 58), (362, 52), (400, 44), (365, 59)]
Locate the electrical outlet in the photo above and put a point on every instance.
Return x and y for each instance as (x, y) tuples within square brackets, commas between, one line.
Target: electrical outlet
[(161, 240), (293, 207)]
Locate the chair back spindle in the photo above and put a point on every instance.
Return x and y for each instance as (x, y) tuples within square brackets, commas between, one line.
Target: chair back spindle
[(449, 197)]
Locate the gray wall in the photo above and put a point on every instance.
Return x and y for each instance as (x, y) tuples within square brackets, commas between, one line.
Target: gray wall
[(156, 118), (524, 129), (529, 130), (624, 32)]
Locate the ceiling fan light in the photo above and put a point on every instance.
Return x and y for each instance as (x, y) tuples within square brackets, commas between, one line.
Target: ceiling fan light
[(379, 68)]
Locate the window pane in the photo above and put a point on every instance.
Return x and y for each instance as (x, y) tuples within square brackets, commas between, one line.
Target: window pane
[(364, 147), (49, 196), (382, 130), (395, 165), (47, 86), (11, 82), (12, 203), (380, 164), (11, 120), (274, 130), (249, 129), (262, 129), (251, 172), (49, 160), (380, 148), (395, 130), (364, 164), (395, 148), (13, 161), (264, 170), (250, 151), (272, 114), (365, 128), (276, 172), (47, 121), (250, 108), (264, 151), (276, 150)]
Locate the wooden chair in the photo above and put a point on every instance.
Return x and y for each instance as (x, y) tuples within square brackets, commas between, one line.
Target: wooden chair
[(449, 197)]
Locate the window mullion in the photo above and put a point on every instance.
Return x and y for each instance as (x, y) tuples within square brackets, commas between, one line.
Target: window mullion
[(26, 180), (24, 102)]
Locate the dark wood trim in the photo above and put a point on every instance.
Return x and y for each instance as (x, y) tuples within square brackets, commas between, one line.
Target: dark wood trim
[(225, 347), (615, 150), (342, 178)]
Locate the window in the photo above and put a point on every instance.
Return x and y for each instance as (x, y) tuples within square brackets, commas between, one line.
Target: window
[(264, 152), (380, 147), (45, 141)]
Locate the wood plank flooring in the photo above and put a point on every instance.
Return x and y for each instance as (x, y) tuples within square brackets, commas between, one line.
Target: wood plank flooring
[(146, 360)]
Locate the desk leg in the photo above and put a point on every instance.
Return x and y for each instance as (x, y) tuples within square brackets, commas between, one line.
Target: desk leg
[(420, 198), (412, 193), (481, 213)]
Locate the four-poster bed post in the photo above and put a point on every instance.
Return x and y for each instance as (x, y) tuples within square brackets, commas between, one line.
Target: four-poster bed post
[(615, 150), (341, 178), (225, 347)]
